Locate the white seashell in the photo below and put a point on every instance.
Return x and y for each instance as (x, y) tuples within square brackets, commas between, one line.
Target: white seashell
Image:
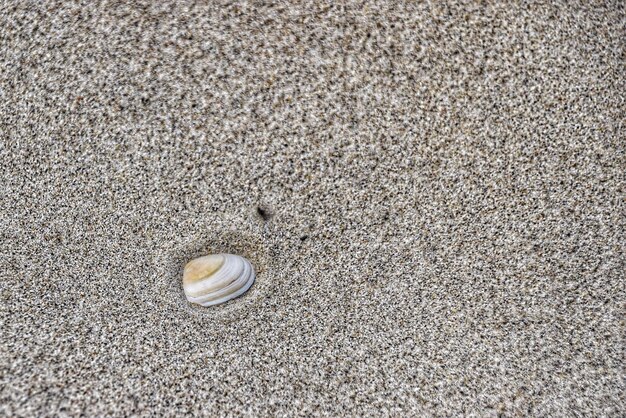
[(217, 278)]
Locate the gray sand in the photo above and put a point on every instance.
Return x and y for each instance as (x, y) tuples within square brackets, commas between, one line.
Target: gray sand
[(444, 188)]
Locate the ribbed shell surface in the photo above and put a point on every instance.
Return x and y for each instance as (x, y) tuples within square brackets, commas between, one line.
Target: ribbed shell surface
[(217, 278)]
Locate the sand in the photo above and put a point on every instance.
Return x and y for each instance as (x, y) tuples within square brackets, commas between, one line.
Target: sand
[(442, 191)]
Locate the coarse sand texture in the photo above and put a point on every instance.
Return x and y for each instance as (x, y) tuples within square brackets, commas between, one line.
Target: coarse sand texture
[(431, 195)]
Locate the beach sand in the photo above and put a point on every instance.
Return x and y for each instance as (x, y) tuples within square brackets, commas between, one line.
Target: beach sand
[(432, 196)]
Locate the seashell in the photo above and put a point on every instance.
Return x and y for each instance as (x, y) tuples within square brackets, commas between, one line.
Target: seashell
[(217, 278)]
